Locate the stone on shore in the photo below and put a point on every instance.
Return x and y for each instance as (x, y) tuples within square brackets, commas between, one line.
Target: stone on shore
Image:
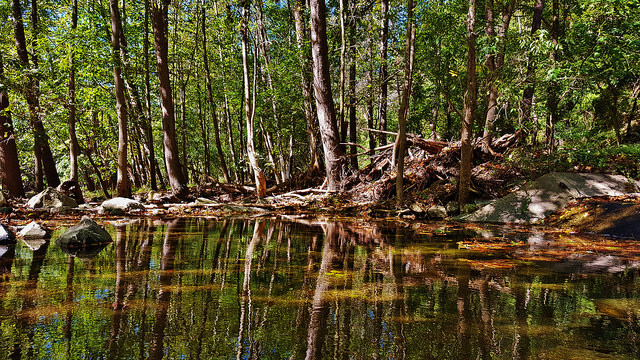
[(51, 198)]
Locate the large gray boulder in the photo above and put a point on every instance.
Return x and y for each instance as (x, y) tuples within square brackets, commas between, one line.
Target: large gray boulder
[(51, 198), (86, 233), (121, 205), (548, 194), (6, 236)]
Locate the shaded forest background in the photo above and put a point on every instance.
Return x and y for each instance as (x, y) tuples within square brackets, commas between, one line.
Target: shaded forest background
[(563, 75)]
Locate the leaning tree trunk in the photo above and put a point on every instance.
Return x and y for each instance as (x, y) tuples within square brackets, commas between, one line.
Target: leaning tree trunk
[(470, 101), (160, 10), (333, 150), (403, 113), (261, 183), (123, 187), (43, 156)]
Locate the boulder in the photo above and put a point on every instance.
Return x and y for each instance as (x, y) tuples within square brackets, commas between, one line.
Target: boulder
[(6, 236), (33, 230), (71, 189), (437, 212), (51, 198), (84, 234), (452, 207), (120, 205), (3, 201)]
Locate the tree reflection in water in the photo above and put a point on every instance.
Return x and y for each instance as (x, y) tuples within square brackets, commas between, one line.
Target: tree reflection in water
[(201, 289)]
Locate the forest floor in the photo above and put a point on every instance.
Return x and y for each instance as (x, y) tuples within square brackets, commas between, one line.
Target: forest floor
[(431, 170)]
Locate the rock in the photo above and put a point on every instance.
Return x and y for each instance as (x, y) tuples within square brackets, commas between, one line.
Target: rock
[(469, 208), (550, 193), (33, 231), (416, 208), (437, 212), (120, 206), (85, 233), (51, 198), (71, 189), (204, 201), (452, 207), (34, 244), (3, 201), (6, 236)]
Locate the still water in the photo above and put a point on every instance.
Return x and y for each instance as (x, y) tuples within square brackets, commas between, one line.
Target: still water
[(274, 289)]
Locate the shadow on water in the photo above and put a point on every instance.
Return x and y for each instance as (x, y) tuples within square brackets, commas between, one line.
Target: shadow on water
[(272, 289)]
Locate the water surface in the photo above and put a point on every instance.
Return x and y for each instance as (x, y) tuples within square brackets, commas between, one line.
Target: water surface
[(273, 289)]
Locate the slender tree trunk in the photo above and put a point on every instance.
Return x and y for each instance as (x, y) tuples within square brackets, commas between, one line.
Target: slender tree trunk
[(529, 83), (74, 148), (261, 184), (494, 63), (403, 113), (342, 121), (384, 34), (123, 187), (308, 101), (43, 156), (183, 127), (353, 136), (333, 150), (147, 86), (552, 97), (470, 101), (369, 112), (212, 103), (159, 10)]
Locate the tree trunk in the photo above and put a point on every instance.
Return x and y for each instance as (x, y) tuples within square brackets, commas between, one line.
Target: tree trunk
[(333, 150), (353, 136), (470, 101), (342, 122), (74, 148), (11, 176), (529, 83), (43, 157), (403, 113), (261, 183), (309, 110), (159, 10), (494, 63), (147, 86), (552, 97), (123, 187), (212, 104), (384, 34)]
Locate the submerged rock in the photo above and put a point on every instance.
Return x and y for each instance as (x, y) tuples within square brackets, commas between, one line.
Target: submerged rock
[(6, 236), (51, 198), (33, 230), (84, 234), (121, 205)]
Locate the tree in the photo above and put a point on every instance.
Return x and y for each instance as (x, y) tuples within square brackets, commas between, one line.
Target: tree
[(43, 157), (470, 101), (123, 187), (74, 147), (526, 104), (11, 178), (384, 34), (160, 10), (333, 150)]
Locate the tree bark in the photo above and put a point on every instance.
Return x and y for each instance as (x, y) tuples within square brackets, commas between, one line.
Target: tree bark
[(470, 101), (261, 183), (123, 187), (403, 113), (353, 136), (74, 148), (43, 156), (147, 86), (159, 10), (384, 34), (308, 104), (333, 150), (494, 64), (552, 97), (212, 104), (529, 82), (9, 164)]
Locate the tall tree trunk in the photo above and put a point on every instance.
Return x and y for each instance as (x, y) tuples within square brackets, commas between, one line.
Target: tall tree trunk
[(333, 150), (212, 103), (353, 136), (470, 101), (147, 87), (403, 113), (370, 92), (74, 148), (261, 183), (384, 34), (342, 121), (529, 83), (494, 63), (43, 156), (123, 187), (159, 10), (309, 110), (552, 97)]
